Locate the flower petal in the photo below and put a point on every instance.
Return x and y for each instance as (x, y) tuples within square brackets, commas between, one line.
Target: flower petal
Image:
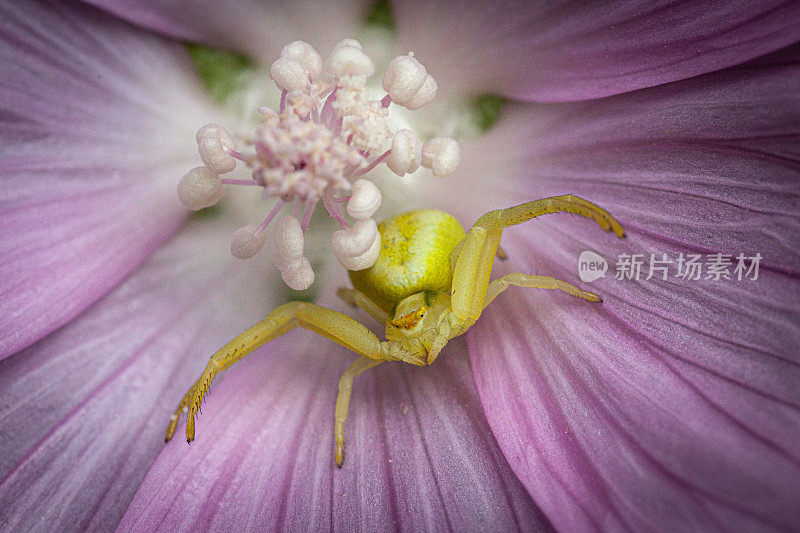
[(674, 404), (550, 52), (84, 410), (419, 455), (260, 29), (96, 120)]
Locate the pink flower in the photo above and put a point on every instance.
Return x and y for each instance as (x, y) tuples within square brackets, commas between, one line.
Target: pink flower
[(673, 405)]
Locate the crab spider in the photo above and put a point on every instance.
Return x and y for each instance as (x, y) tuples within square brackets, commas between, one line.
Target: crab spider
[(429, 285)]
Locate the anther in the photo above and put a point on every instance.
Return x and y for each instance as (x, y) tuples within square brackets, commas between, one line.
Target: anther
[(289, 242), (212, 142), (405, 155), (289, 74), (348, 59), (441, 155), (298, 275), (304, 53), (404, 78), (247, 241), (365, 200), (199, 188), (357, 247)]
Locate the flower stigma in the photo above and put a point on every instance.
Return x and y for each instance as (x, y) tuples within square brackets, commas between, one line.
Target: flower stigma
[(326, 135)]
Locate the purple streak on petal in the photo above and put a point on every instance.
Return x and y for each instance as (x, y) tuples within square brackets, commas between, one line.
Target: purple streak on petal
[(567, 51), (419, 455), (83, 411), (673, 404), (93, 121), (257, 28)]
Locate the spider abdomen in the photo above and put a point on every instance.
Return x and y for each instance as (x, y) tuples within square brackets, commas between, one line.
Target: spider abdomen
[(414, 257)]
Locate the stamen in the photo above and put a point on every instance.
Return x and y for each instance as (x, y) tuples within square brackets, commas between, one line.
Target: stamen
[(372, 165), (270, 216), (316, 146)]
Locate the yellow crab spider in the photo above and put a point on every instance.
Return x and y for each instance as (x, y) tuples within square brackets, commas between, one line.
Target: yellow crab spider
[(429, 285)]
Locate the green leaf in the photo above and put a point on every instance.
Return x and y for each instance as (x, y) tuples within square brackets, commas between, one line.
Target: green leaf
[(220, 70), (487, 108), (380, 14)]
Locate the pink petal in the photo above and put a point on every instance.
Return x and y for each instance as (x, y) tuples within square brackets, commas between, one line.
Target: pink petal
[(674, 404), (96, 120), (566, 51), (84, 410), (419, 454), (257, 28)]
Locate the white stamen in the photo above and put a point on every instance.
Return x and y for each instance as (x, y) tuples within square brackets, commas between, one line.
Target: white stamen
[(304, 53), (350, 60), (357, 247), (199, 188), (441, 155), (326, 134), (406, 154), (218, 132), (365, 200), (349, 42), (289, 242), (213, 154), (424, 95), (404, 77), (298, 275), (289, 74), (247, 241)]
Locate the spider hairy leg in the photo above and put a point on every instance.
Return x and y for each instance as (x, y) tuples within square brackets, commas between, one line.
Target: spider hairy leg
[(535, 282), (343, 402), (331, 324), (476, 258)]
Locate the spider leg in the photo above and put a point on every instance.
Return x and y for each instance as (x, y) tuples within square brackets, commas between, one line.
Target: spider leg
[(331, 324), (359, 299), (343, 402), (535, 282), (473, 266)]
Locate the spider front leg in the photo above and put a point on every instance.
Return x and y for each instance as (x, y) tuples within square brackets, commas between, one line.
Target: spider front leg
[(476, 258), (343, 402), (535, 282), (331, 324)]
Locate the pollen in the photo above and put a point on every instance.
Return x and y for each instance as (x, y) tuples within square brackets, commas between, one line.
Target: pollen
[(325, 136)]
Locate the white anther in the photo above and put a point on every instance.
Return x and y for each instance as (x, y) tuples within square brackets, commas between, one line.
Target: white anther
[(217, 132), (298, 275), (246, 242), (441, 155), (304, 53), (403, 78), (289, 242), (199, 188), (365, 260), (424, 95), (357, 247), (212, 140), (289, 74), (365, 199), (406, 153), (349, 42), (350, 60), (212, 152)]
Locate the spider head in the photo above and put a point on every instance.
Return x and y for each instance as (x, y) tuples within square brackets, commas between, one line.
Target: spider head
[(409, 316)]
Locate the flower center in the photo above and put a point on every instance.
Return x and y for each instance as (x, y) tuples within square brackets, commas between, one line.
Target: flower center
[(324, 137)]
